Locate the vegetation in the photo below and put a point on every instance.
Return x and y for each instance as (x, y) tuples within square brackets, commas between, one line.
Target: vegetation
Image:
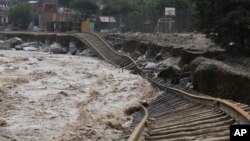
[(21, 14), (115, 7), (227, 22), (64, 3), (148, 7), (138, 14), (86, 8)]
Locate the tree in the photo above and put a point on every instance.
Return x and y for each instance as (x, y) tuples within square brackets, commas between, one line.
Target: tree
[(141, 13), (64, 3), (115, 7), (85, 7), (21, 14), (225, 21)]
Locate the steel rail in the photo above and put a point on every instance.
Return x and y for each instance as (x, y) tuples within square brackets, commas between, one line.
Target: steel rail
[(77, 35), (132, 60), (231, 109), (136, 135)]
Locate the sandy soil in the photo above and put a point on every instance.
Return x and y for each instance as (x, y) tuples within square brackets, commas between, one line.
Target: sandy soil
[(63, 97)]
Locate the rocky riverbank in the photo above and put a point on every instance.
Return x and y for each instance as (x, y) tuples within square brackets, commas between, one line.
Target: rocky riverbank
[(175, 58), (46, 46), (165, 55)]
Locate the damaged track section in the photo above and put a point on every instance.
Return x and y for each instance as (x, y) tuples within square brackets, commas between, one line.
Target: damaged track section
[(199, 118), (173, 118), (105, 51), (178, 115)]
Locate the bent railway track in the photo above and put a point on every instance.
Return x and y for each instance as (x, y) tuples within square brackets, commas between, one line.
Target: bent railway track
[(97, 44), (176, 114)]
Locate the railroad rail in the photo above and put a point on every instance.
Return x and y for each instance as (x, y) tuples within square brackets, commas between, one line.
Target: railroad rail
[(105, 51), (176, 114)]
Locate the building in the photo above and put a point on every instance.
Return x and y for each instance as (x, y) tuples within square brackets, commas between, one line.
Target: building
[(4, 11), (4, 19), (7, 3), (107, 24), (51, 16)]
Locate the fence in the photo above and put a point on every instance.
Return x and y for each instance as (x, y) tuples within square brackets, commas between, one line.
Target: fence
[(143, 23)]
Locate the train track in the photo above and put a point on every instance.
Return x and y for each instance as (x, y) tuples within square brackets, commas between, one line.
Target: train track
[(176, 114), (97, 44)]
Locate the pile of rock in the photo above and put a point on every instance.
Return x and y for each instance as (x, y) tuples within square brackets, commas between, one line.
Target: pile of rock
[(165, 55), (8, 44), (169, 68), (55, 48)]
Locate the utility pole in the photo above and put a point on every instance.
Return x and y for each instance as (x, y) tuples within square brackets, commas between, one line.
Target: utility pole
[(109, 16)]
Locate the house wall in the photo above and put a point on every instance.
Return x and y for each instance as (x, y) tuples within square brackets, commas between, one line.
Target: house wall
[(51, 20), (47, 18), (4, 19)]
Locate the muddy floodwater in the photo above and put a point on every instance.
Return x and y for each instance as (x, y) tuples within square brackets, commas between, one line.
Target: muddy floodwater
[(62, 97)]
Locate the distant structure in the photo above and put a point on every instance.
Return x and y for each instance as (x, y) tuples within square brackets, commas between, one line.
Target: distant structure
[(4, 19), (107, 23), (167, 20), (7, 3), (51, 16), (4, 11)]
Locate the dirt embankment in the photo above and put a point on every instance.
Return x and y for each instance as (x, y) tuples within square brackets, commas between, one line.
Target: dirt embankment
[(188, 46), (63, 97), (221, 80), (170, 56), (165, 55)]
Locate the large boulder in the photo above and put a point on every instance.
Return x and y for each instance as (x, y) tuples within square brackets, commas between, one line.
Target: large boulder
[(220, 80), (87, 53), (16, 41), (171, 73), (44, 48), (171, 61), (72, 48), (56, 48), (18, 47), (150, 65), (5, 45), (30, 48), (28, 44)]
